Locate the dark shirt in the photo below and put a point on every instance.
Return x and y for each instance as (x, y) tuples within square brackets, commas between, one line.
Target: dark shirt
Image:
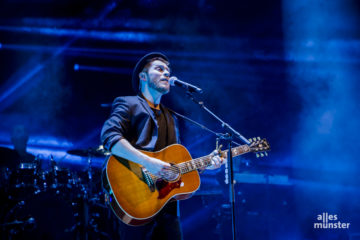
[(163, 140)]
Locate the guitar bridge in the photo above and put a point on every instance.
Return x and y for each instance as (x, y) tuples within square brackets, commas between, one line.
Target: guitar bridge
[(148, 179)]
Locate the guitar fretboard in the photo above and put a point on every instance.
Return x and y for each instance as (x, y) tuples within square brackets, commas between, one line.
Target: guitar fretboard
[(205, 161)]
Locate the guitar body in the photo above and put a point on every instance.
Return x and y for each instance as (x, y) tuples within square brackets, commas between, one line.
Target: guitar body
[(136, 196), (133, 199)]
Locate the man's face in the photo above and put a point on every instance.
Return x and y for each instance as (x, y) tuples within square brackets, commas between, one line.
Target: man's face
[(158, 76)]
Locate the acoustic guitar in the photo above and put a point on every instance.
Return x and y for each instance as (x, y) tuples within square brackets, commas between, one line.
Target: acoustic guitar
[(136, 196)]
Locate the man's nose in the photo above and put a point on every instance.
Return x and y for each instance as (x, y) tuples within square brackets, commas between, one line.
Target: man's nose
[(167, 74)]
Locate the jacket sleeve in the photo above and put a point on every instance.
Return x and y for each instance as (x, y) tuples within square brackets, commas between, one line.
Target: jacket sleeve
[(118, 124)]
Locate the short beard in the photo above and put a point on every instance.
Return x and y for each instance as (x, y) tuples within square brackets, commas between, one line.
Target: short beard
[(157, 87)]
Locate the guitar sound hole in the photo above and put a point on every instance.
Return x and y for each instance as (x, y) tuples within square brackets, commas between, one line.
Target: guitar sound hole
[(171, 174)]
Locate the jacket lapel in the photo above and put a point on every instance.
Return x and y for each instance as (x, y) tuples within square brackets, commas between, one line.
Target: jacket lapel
[(147, 108)]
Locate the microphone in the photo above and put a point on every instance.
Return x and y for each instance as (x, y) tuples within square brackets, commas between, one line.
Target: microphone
[(174, 81)]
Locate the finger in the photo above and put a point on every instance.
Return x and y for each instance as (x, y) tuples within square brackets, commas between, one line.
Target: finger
[(217, 159), (216, 162), (166, 167), (160, 174), (214, 153)]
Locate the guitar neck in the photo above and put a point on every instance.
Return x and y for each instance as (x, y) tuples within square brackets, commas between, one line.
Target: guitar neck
[(205, 161)]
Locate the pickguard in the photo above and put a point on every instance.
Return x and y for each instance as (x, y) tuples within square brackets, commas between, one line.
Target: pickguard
[(164, 187)]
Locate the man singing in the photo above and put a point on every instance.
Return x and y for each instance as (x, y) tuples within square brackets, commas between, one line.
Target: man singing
[(142, 122)]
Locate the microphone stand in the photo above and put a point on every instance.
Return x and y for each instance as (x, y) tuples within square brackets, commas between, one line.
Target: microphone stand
[(230, 134)]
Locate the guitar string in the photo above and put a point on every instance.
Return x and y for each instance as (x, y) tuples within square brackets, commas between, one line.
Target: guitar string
[(185, 165), (197, 160), (182, 166)]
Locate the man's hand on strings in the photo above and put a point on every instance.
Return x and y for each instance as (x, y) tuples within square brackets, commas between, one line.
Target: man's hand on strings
[(156, 166), (216, 160)]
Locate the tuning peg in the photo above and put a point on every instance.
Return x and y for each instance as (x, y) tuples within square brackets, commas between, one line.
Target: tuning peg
[(258, 138), (257, 155), (254, 139), (261, 154), (266, 154), (250, 139)]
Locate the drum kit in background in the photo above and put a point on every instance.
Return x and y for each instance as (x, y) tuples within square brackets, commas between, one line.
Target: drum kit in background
[(55, 203)]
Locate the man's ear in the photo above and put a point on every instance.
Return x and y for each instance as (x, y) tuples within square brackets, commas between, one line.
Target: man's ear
[(142, 76)]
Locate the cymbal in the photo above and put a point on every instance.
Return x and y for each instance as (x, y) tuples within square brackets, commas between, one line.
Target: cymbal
[(94, 152)]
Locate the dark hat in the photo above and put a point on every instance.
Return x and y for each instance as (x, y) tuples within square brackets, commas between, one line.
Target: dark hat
[(140, 66)]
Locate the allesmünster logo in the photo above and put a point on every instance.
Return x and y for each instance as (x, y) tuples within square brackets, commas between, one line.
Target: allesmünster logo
[(329, 221)]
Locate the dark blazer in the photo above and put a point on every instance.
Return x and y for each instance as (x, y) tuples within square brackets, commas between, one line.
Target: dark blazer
[(132, 118)]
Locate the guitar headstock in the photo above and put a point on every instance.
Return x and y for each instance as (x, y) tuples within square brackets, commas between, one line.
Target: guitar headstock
[(259, 146)]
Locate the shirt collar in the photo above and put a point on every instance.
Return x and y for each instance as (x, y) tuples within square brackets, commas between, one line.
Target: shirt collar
[(153, 106)]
